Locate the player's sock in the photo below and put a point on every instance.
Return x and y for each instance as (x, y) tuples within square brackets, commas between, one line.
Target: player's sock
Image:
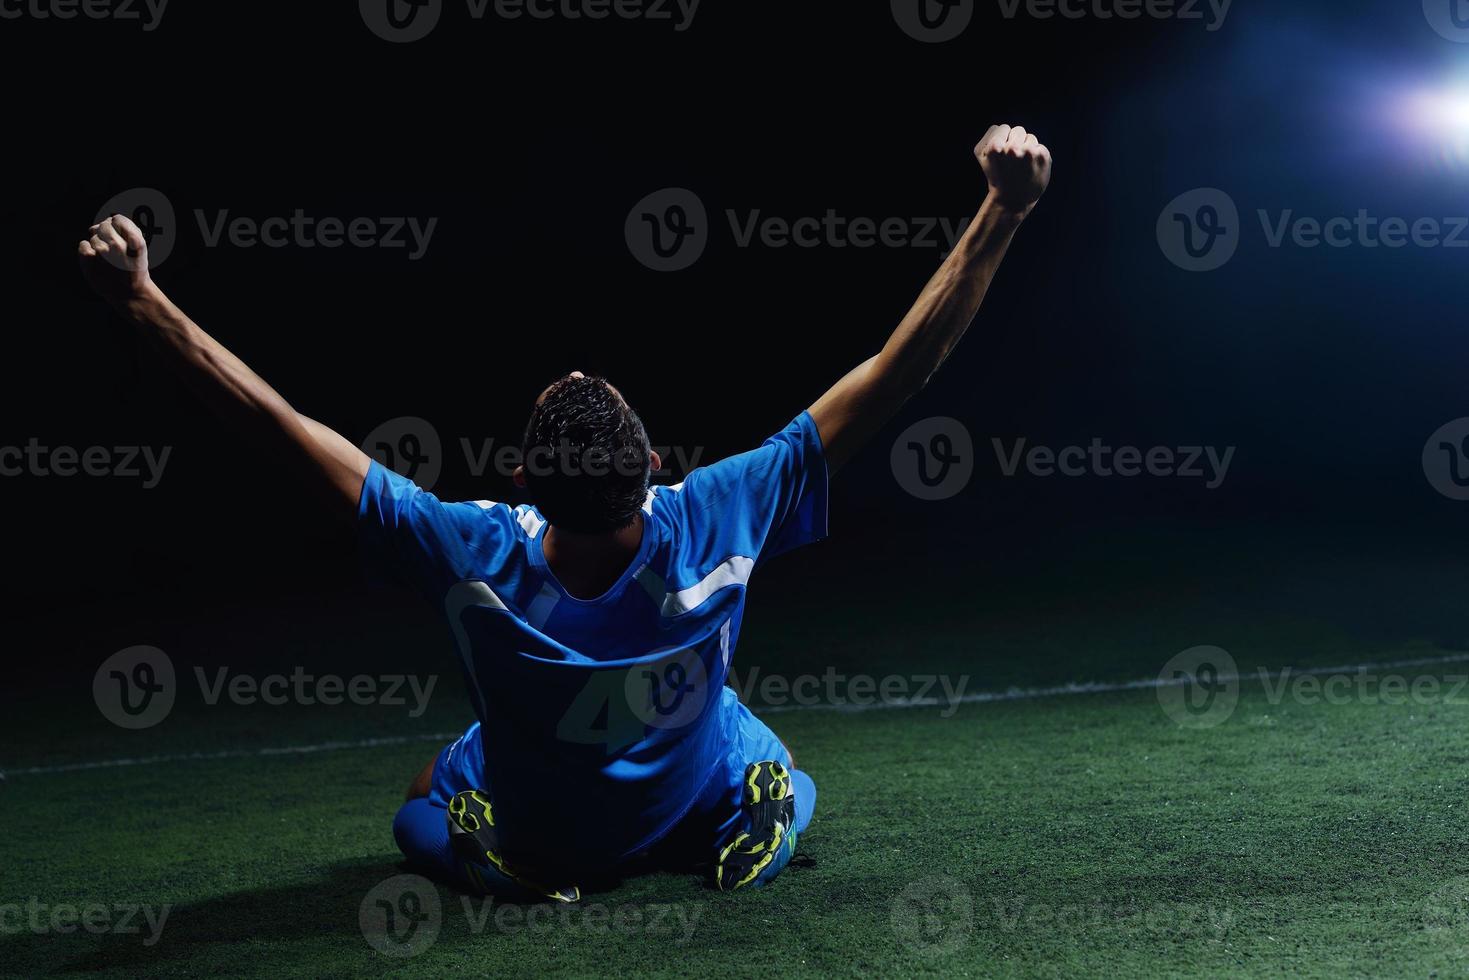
[(770, 810), (473, 836)]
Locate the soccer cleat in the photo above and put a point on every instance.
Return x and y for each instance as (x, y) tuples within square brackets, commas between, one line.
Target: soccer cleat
[(770, 806), (473, 836)]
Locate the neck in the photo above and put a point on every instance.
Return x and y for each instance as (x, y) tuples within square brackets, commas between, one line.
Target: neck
[(589, 564)]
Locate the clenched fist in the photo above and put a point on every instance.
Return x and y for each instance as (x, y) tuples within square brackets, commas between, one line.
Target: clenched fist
[(115, 260), (1017, 165)]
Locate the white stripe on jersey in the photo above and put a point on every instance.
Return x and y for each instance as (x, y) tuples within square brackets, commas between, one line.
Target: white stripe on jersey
[(653, 492), (732, 571), (529, 521)]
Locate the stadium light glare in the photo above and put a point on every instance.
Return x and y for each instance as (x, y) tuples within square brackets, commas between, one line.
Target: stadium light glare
[(1442, 113), (1433, 117)]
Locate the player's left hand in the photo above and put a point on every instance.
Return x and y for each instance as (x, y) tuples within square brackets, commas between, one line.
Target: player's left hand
[(115, 259), (1017, 165)]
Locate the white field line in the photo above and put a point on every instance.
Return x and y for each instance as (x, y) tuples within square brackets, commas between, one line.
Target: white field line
[(153, 760), (1100, 687), (981, 697)]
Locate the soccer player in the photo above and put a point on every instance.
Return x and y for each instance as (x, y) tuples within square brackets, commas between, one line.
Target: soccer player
[(595, 626)]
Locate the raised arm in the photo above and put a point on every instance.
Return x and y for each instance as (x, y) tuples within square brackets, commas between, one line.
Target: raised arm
[(1018, 168), (115, 262)]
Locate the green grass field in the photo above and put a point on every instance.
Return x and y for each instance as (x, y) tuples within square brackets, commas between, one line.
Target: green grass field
[(1052, 836)]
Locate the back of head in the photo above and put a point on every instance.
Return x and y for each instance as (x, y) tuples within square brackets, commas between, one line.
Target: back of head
[(586, 457)]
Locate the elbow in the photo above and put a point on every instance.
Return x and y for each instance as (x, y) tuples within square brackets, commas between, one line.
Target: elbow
[(898, 382)]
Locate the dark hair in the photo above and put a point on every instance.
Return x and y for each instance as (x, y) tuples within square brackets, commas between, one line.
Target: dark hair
[(586, 457)]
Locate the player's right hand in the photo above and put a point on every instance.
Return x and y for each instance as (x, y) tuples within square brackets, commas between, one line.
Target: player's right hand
[(1017, 165), (114, 259)]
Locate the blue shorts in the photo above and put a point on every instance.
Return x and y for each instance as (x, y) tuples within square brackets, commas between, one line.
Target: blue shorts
[(422, 832)]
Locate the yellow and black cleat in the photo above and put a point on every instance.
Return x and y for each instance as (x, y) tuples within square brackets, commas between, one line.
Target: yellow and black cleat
[(474, 838), (770, 807)]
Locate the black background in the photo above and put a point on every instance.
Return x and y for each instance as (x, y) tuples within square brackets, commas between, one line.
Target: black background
[(530, 141)]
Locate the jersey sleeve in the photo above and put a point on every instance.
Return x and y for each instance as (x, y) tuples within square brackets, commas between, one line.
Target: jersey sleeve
[(760, 503), (407, 536)]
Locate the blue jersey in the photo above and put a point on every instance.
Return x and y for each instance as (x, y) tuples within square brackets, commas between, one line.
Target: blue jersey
[(603, 719)]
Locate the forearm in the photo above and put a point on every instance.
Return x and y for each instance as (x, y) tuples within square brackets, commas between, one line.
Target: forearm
[(1018, 169), (242, 399), (948, 304), (858, 405)]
